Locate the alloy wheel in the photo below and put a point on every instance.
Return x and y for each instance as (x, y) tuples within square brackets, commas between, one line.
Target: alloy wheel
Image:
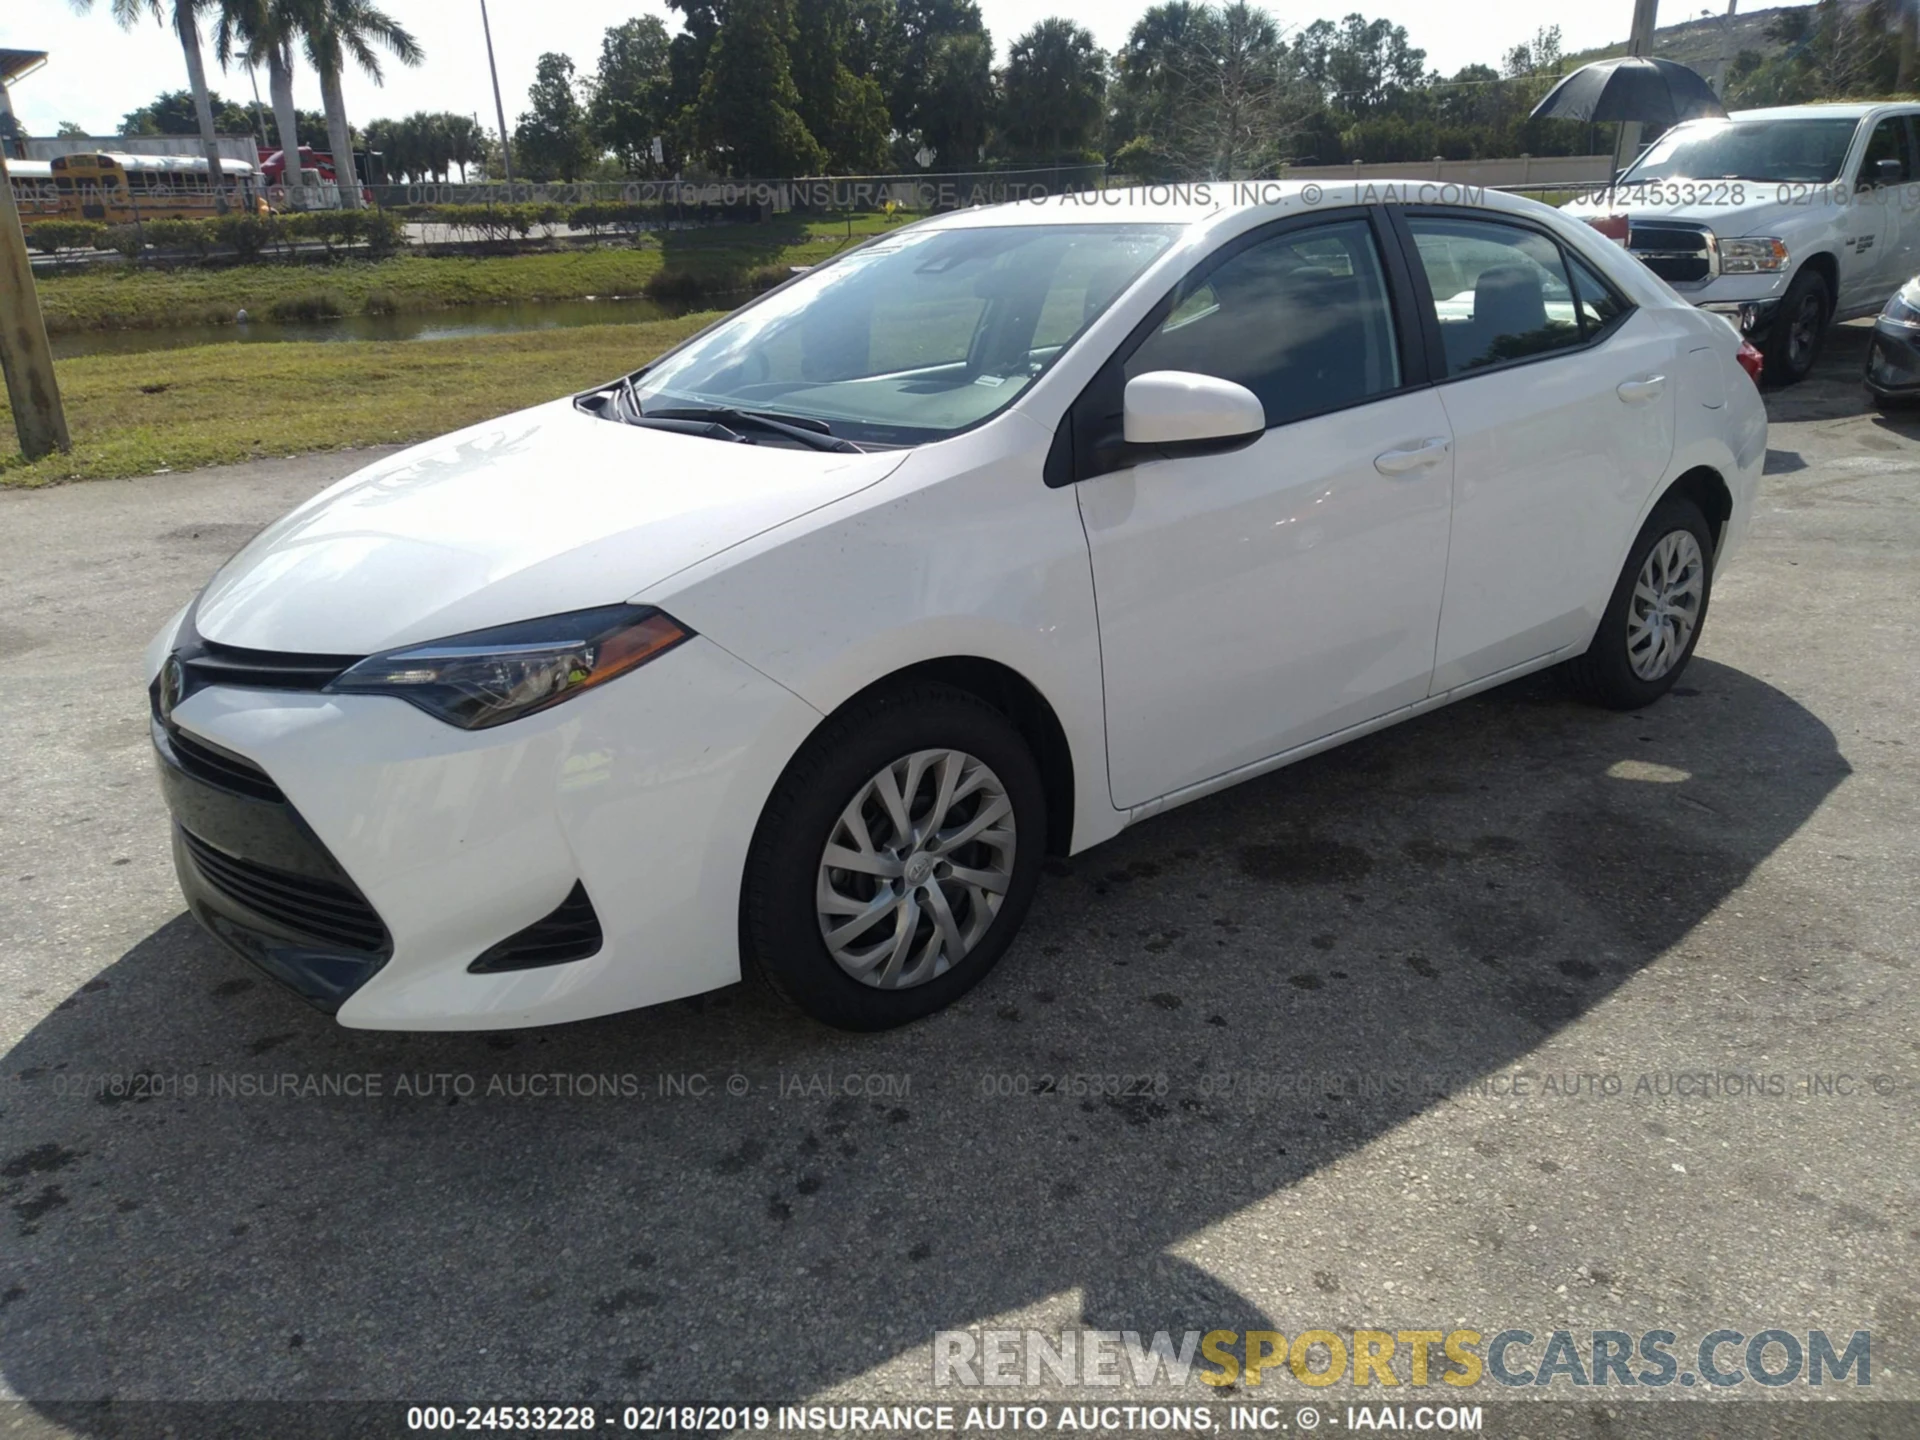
[(915, 869), (1666, 604)]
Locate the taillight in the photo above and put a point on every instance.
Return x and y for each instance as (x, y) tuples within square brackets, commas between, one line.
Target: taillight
[(1751, 360)]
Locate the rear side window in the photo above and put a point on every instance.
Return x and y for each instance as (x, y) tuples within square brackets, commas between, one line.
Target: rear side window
[(1500, 293), (1302, 320)]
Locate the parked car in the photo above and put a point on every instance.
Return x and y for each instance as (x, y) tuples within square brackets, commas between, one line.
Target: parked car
[(1893, 354), (800, 646), (1783, 220)]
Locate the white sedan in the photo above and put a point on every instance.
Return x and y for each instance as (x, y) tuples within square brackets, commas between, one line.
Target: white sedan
[(800, 647)]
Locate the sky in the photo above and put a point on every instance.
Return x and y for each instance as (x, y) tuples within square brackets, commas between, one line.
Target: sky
[(97, 72)]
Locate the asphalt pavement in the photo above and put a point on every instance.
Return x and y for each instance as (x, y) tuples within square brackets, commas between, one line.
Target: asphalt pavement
[(1399, 1038)]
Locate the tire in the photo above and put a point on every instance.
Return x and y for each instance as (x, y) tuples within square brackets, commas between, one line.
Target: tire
[(1618, 671), (1799, 329), (919, 734)]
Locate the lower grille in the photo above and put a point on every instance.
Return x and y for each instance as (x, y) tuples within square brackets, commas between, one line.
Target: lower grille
[(330, 913), (221, 767), (571, 932)]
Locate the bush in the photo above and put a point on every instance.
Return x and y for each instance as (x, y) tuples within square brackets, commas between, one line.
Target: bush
[(381, 301), (496, 223), (677, 285), (124, 238), (385, 233), (50, 237), (309, 305), (598, 216), (245, 233), (193, 236)]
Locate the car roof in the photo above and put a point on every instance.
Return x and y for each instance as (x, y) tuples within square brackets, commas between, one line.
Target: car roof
[(1207, 203)]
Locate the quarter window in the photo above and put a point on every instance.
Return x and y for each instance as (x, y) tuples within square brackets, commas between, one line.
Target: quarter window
[(1302, 320), (1500, 293), (1598, 305)]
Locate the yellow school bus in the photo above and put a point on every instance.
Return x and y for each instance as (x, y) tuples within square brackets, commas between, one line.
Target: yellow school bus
[(33, 191), (123, 188)]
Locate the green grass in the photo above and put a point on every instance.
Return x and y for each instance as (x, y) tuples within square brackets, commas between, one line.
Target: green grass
[(217, 404), (675, 264)]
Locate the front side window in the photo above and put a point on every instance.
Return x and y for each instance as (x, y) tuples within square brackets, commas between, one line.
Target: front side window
[(1788, 151), (914, 337), (1888, 142), (1302, 320), (1500, 293)]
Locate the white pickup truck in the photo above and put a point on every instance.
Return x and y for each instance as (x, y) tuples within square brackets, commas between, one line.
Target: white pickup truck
[(1784, 220)]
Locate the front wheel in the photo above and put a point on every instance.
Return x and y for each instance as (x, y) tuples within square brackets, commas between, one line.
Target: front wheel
[(1653, 619), (896, 858), (1799, 329)]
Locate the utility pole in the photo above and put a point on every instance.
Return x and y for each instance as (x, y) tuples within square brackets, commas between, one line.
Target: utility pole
[(25, 356), (1639, 42), (499, 110)]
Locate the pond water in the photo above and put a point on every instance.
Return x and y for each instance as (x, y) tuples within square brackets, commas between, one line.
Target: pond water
[(452, 324)]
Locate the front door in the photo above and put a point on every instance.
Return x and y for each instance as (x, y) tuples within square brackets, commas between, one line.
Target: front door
[(1253, 601), (1877, 250)]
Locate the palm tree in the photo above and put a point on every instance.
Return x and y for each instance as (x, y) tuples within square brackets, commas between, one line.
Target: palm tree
[(263, 32), (186, 25), (333, 31)]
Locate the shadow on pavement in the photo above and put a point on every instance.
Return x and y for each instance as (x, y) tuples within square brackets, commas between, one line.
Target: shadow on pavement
[(1431, 902)]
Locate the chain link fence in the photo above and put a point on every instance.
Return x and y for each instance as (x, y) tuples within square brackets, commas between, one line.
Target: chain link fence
[(695, 199)]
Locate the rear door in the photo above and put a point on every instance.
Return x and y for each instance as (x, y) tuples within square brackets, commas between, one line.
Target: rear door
[(1560, 397)]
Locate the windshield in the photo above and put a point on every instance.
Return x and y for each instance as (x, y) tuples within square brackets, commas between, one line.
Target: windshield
[(913, 337), (1798, 151)]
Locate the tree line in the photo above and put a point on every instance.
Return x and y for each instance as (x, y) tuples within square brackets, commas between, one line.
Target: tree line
[(790, 87), (1200, 88)]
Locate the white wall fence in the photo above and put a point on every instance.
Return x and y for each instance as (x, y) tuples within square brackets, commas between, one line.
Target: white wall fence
[(1536, 171)]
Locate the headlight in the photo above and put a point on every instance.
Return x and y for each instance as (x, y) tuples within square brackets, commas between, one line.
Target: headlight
[(488, 677), (1904, 308), (1753, 255)]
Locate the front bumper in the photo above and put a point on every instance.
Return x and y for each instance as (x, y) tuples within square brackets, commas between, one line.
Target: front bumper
[(1893, 360), (1752, 318), (643, 793)]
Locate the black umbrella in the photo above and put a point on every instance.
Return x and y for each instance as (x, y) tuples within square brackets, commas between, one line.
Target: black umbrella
[(1654, 92)]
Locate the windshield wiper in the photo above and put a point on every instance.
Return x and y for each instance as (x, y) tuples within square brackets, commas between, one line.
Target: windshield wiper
[(814, 434)]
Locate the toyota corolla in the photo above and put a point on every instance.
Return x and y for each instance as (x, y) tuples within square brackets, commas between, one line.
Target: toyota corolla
[(798, 649)]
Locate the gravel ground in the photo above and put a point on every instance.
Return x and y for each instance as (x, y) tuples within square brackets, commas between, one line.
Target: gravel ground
[(1329, 978)]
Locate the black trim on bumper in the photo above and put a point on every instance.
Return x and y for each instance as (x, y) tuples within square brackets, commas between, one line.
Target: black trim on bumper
[(570, 932), (258, 878)]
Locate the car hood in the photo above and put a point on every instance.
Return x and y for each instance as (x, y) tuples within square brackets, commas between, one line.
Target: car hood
[(1763, 213), (537, 513)]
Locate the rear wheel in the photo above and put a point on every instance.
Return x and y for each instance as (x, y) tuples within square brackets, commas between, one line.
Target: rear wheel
[(1799, 329), (895, 859), (1653, 619)]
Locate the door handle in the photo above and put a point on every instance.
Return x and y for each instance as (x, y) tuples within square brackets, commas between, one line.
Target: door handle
[(1639, 392), (1421, 455)]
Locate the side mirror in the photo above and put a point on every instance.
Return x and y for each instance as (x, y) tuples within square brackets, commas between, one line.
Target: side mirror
[(1177, 412), (1887, 172)]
